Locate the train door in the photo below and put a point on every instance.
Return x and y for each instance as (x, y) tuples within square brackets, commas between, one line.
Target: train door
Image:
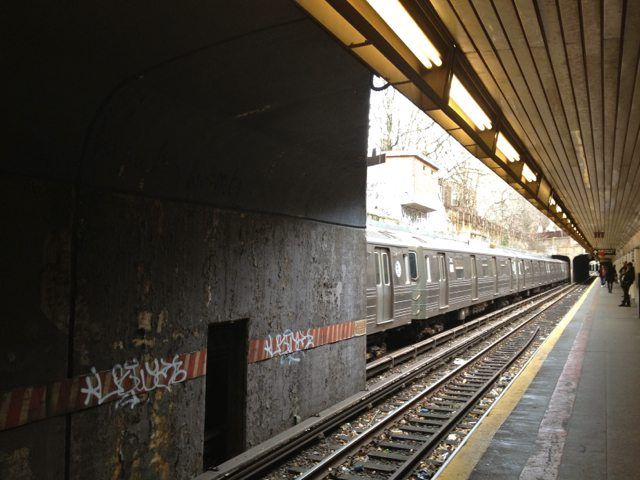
[(384, 290), (443, 283), (520, 274), (511, 273), (474, 278), (494, 272)]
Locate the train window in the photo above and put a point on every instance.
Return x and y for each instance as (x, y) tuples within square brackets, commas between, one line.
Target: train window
[(377, 260), (451, 267), (514, 268), (427, 263), (485, 267), (413, 266), (385, 269), (459, 266)]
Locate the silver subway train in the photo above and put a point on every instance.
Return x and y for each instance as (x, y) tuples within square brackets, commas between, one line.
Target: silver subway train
[(411, 278)]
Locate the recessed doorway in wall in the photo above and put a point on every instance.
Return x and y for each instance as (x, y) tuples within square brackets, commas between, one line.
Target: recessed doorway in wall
[(225, 401)]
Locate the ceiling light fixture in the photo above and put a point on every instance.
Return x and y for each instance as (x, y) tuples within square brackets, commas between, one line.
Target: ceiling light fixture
[(528, 174), (503, 145), (395, 15), (459, 97)]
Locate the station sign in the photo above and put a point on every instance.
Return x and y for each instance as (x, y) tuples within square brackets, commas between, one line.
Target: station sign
[(606, 252)]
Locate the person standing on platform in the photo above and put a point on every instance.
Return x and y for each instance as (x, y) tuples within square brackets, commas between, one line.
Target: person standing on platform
[(626, 281), (611, 276), (602, 275), (623, 268)]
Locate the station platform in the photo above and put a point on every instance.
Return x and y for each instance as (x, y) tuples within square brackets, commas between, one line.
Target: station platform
[(573, 412)]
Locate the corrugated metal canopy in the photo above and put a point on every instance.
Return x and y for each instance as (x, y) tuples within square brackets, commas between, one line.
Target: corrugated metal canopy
[(558, 78)]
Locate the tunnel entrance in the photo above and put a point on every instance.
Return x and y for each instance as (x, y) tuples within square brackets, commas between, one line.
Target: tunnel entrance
[(224, 425)]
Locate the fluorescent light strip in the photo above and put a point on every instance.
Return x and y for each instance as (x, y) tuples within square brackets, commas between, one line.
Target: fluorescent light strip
[(395, 15), (528, 174), (503, 145), (463, 100)]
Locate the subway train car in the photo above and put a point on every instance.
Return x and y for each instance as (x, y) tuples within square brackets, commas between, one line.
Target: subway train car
[(412, 279)]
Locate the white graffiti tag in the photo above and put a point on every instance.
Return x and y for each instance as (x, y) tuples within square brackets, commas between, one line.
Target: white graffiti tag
[(132, 379), (288, 345)]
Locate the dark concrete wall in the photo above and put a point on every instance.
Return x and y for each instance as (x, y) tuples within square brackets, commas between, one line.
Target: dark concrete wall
[(35, 281), (170, 165)]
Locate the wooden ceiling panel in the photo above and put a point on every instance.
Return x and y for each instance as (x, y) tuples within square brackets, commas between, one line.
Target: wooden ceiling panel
[(569, 75), (553, 72), (630, 196), (446, 13), (612, 30), (593, 73), (628, 68), (547, 124), (522, 86), (474, 29), (583, 139)]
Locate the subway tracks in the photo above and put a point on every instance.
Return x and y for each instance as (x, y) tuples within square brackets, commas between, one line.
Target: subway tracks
[(395, 446), (407, 414)]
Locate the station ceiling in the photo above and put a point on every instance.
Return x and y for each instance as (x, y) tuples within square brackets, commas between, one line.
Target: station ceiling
[(557, 79)]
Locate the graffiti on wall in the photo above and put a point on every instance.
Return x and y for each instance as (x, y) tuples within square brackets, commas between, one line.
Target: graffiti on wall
[(131, 379), (289, 345), (124, 383)]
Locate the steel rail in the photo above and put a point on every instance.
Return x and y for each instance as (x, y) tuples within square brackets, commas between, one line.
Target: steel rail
[(340, 456), (427, 448)]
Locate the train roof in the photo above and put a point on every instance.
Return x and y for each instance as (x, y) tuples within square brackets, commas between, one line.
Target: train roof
[(399, 238)]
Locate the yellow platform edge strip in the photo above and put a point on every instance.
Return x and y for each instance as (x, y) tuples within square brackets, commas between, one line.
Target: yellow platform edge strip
[(462, 463)]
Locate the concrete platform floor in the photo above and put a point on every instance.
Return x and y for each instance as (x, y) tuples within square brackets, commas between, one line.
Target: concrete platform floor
[(574, 413)]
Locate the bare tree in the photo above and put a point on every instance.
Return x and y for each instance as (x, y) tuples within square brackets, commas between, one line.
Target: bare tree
[(396, 124)]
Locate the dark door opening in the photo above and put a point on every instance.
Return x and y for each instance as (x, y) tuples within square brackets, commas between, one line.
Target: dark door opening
[(225, 401)]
